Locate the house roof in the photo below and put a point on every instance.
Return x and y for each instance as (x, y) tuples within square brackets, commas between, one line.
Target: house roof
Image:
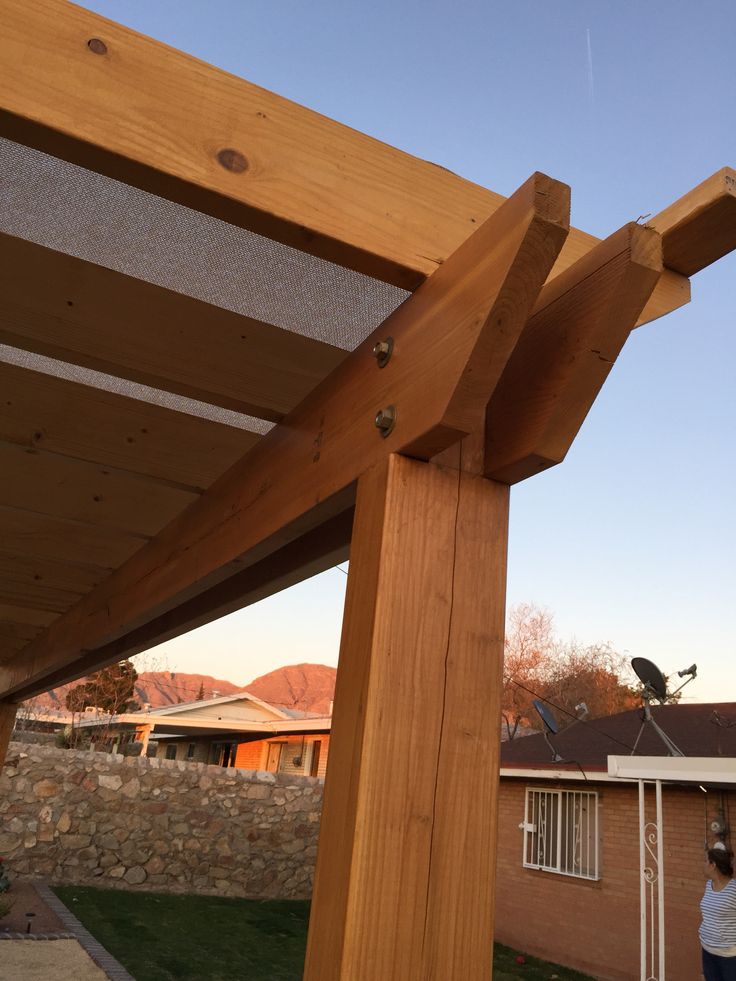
[(188, 718), (237, 696), (701, 730)]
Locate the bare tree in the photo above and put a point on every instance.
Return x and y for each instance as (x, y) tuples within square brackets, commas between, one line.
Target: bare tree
[(529, 648), (539, 664)]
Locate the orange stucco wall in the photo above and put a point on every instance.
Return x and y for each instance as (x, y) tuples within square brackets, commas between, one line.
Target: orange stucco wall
[(253, 755)]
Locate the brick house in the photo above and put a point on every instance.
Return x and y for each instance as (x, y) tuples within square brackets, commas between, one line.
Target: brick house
[(571, 843), (238, 730)]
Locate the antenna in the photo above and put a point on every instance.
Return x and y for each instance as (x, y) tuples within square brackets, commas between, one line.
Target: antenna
[(655, 686), (550, 726)]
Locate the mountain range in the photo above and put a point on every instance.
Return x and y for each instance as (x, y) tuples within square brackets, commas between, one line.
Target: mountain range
[(306, 687)]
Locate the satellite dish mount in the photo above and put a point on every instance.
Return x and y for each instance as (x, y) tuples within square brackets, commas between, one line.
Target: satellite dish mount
[(550, 726), (654, 686)]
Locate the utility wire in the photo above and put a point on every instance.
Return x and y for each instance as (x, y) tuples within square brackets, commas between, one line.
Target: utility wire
[(587, 722)]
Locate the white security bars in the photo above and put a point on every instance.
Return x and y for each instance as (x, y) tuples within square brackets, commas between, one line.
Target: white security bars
[(561, 832)]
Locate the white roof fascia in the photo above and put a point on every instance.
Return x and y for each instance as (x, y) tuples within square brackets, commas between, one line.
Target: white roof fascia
[(677, 769), (533, 773)]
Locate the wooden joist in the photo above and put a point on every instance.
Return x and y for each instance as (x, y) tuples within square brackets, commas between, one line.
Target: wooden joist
[(43, 586), (158, 119), (65, 488), (306, 556), (88, 315), (58, 416), (45, 536), (24, 615), (567, 349), (701, 227), (479, 300)]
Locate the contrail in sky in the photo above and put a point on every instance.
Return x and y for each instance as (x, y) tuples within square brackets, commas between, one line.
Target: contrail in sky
[(591, 87)]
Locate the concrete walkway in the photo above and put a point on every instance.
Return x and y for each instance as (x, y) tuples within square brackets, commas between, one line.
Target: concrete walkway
[(40, 960)]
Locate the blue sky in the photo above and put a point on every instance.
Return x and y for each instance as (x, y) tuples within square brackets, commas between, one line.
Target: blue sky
[(632, 539)]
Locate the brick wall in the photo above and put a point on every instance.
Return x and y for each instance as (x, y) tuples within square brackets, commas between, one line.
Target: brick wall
[(594, 925)]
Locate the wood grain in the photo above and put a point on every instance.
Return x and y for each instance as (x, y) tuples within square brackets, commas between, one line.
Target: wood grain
[(46, 536), (567, 349), (408, 835), (22, 615), (307, 556), (158, 119), (7, 722), (100, 319), (700, 227), (52, 414), (288, 482), (60, 487)]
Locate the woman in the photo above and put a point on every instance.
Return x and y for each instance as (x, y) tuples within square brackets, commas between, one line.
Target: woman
[(718, 906)]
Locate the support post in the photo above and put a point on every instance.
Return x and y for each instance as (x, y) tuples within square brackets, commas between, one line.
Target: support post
[(405, 872), (7, 722)]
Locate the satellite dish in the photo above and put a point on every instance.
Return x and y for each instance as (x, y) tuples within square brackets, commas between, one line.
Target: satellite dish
[(650, 676), (545, 715)]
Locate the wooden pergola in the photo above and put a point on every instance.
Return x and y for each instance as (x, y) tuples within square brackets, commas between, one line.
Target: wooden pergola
[(168, 456)]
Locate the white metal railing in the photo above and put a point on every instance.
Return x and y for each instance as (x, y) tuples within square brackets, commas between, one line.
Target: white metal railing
[(651, 872), (561, 832)]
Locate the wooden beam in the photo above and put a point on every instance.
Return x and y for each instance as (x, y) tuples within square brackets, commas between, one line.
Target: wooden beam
[(478, 300), (100, 319), (44, 536), (64, 488), (41, 412), (579, 326), (21, 614), (314, 552), (405, 869), (8, 712), (700, 227), (155, 118), (9, 630)]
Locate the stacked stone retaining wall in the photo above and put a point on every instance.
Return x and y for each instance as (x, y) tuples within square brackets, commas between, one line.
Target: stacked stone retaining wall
[(97, 819)]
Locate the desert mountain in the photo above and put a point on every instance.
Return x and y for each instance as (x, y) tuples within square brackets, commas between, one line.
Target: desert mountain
[(307, 687), (157, 689)]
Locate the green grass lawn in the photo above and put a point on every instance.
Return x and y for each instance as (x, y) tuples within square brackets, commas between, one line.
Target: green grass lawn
[(202, 938)]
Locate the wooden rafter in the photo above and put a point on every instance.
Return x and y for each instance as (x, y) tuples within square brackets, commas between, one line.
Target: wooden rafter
[(305, 556), (158, 119), (101, 319), (43, 413), (86, 492), (477, 302)]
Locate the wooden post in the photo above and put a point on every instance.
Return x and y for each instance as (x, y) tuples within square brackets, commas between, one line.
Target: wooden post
[(405, 872), (7, 722)]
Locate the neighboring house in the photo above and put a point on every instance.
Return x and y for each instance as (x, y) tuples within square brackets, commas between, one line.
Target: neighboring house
[(572, 841), (238, 730)]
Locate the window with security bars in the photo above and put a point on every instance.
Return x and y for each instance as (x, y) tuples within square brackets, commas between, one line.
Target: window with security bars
[(561, 832)]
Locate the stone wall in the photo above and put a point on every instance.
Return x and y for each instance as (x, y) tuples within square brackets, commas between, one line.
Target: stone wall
[(90, 818)]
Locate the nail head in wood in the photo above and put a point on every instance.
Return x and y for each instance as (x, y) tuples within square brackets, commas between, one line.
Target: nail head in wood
[(386, 420), (382, 351)]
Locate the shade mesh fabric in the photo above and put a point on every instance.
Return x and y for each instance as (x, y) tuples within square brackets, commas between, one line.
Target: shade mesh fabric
[(133, 390), (73, 210)]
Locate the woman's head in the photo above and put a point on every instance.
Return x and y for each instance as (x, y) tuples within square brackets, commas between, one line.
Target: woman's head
[(722, 859)]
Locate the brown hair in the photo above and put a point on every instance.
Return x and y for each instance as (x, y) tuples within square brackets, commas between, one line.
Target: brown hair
[(722, 859)]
